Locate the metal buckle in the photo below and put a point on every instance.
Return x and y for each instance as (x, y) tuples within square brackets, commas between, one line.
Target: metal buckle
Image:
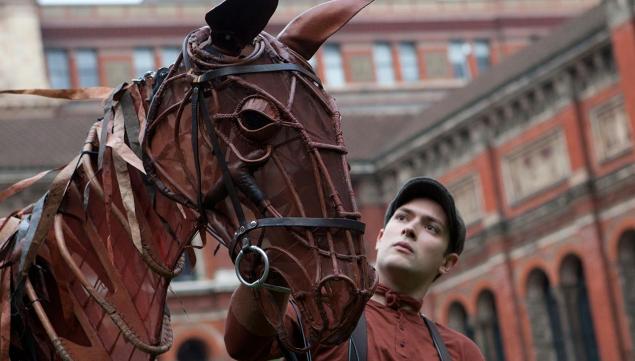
[(260, 282)]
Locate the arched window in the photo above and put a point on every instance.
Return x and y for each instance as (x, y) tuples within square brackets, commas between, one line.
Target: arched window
[(579, 331), (193, 349), (626, 249), (458, 320), (546, 328), (488, 334)]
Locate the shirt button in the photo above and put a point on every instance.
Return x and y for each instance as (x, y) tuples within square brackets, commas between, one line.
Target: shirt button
[(401, 327), (402, 343)]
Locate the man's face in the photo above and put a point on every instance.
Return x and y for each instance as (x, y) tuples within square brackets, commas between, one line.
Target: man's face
[(414, 242)]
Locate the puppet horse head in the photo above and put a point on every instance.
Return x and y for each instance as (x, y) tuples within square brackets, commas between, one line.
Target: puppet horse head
[(242, 131)]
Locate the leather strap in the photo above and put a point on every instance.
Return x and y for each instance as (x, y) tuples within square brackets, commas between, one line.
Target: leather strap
[(218, 153), (358, 343), (303, 222), (131, 123), (105, 122), (252, 69), (444, 355), (290, 355), (199, 107), (197, 161)]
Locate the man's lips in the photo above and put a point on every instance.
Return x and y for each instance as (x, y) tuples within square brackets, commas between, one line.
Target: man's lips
[(404, 246)]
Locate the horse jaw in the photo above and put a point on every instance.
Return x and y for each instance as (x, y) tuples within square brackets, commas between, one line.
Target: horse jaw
[(235, 23), (309, 30)]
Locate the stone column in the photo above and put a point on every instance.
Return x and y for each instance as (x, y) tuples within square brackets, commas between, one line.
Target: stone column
[(22, 62)]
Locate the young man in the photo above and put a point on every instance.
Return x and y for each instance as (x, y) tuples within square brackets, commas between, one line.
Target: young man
[(422, 239)]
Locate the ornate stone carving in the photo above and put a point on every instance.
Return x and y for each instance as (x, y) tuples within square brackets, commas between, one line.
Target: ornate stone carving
[(467, 195), (611, 129), (535, 166)]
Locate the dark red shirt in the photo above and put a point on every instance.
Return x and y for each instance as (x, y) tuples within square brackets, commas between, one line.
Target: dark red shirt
[(392, 335)]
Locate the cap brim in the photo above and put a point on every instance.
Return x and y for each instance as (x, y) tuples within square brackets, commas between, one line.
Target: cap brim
[(423, 187)]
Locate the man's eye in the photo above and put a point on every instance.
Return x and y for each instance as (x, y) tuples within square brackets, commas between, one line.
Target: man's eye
[(432, 228), (400, 217)]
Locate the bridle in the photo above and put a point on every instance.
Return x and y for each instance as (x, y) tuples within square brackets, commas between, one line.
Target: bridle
[(199, 85)]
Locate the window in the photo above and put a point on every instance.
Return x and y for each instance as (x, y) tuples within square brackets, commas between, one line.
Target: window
[(87, 71), (458, 52), (361, 68), (117, 71), (611, 130), (577, 311), (482, 54), (333, 65), (193, 349), (408, 61), (384, 71), (544, 318), (436, 65), (169, 55), (143, 61), (459, 320), (188, 273), (58, 69), (488, 332), (626, 263)]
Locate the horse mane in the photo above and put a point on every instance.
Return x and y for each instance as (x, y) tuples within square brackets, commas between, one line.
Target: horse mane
[(102, 191)]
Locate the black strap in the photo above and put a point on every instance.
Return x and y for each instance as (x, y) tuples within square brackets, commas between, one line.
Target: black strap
[(197, 161), (358, 343), (290, 355), (251, 69), (220, 157), (198, 107), (131, 122), (438, 341), (105, 122), (303, 222), (159, 77)]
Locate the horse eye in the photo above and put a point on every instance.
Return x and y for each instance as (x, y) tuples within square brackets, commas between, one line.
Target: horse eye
[(258, 118), (254, 120)]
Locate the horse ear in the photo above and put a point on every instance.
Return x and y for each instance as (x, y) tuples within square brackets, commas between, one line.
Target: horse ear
[(235, 23), (309, 30)]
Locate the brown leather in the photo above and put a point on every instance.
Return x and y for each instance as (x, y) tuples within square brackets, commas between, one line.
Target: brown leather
[(309, 30), (293, 148), (112, 233), (119, 312)]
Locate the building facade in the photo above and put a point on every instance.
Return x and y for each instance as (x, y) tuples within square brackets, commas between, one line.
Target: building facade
[(535, 141), (539, 155)]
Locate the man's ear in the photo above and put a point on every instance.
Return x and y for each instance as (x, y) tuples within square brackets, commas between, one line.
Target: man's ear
[(379, 235), (449, 262)]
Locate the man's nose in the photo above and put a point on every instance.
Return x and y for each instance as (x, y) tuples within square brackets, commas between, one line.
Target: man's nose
[(408, 231)]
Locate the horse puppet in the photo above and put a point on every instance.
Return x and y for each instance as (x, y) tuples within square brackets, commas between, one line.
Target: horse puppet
[(238, 141)]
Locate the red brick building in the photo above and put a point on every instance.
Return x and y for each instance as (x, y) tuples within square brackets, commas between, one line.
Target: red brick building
[(535, 141), (539, 154)]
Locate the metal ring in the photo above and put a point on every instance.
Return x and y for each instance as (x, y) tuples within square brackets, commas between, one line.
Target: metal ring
[(257, 283)]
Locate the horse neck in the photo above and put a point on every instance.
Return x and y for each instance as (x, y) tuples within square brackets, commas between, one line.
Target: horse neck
[(131, 237), (159, 228)]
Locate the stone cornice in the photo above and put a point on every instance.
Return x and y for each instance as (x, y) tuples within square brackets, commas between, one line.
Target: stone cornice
[(530, 97)]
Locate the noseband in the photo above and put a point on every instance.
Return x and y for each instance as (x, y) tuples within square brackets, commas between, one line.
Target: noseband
[(202, 82)]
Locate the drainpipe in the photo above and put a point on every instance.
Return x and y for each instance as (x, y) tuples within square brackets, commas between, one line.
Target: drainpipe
[(491, 155), (600, 233)]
